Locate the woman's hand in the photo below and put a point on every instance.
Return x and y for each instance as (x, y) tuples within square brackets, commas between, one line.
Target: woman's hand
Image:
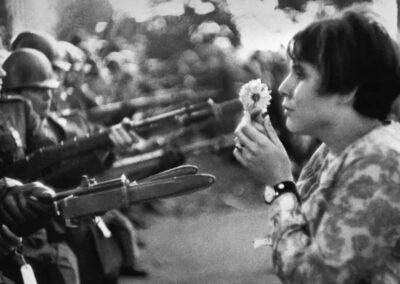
[(261, 152)]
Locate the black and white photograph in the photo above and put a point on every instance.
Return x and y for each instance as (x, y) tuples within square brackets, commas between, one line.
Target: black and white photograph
[(199, 141)]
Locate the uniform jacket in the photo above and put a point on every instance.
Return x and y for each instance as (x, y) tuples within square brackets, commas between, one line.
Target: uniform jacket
[(67, 174), (20, 134), (100, 258), (20, 130)]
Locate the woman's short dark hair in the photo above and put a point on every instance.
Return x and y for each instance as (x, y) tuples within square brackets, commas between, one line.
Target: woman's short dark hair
[(352, 51)]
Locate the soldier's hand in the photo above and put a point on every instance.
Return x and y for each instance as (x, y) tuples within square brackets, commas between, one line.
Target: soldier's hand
[(126, 141), (8, 241), (27, 208)]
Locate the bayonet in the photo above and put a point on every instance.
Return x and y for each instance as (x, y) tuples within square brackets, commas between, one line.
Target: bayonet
[(120, 193)]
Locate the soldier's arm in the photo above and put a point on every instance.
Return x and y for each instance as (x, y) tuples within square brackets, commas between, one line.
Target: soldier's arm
[(25, 208)]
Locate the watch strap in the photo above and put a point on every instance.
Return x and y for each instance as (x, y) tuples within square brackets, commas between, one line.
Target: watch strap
[(286, 187)]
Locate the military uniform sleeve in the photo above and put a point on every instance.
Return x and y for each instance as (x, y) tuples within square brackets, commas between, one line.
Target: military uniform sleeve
[(343, 232), (77, 125), (67, 174)]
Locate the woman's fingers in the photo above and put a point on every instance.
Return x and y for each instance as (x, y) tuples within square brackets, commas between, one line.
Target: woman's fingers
[(250, 136), (270, 131), (238, 155), (245, 141)]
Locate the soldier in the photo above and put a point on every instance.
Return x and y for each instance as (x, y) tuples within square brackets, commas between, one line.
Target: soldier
[(29, 74), (21, 133), (8, 243), (46, 44), (50, 47), (85, 91), (24, 209)]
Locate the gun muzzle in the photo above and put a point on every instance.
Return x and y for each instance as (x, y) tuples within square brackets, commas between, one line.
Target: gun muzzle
[(215, 110), (190, 114)]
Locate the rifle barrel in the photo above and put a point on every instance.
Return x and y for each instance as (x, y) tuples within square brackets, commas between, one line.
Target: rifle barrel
[(33, 166), (161, 98)]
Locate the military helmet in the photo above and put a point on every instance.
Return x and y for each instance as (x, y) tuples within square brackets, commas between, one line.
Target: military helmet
[(27, 67), (43, 42), (72, 54)]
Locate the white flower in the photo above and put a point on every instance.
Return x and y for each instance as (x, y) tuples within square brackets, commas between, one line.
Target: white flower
[(255, 94)]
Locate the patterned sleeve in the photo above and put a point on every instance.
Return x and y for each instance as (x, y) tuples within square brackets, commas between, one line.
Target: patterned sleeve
[(348, 229)]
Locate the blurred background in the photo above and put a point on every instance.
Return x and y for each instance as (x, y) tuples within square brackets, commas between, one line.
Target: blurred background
[(141, 58)]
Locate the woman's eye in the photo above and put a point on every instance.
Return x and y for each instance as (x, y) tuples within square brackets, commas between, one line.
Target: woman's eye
[(299, 74)]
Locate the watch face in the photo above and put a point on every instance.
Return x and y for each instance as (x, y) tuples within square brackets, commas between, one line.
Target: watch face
[(269, 194)]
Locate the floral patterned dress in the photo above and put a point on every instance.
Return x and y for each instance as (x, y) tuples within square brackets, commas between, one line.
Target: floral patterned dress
[(348, 225)]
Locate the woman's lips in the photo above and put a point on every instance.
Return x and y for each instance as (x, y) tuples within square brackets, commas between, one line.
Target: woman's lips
[(287, 111)]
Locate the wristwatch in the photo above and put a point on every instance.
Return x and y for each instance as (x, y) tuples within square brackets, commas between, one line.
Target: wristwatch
[(273, 192)]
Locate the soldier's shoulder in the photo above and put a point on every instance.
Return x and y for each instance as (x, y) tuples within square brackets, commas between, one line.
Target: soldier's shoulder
[(13, 99), (15, 105)]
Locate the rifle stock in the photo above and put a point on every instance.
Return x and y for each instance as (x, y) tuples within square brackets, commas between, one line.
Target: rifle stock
[(34, 166)]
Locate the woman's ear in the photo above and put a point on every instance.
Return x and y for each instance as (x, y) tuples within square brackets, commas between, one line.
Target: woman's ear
[(347, 98)]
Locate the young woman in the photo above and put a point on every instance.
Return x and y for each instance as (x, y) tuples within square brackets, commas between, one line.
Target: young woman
[(339, 223)]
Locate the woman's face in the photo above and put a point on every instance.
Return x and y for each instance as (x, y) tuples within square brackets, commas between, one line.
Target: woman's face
[(307, 111)]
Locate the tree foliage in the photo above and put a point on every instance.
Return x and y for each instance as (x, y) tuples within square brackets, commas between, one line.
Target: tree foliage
[(81, 15)]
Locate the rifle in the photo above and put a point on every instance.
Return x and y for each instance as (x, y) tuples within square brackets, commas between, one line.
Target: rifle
[(92, 198), (134, 166), (34, 166), (117, 110)]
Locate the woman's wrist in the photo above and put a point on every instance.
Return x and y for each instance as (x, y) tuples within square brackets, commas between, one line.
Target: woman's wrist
[(273, 192)]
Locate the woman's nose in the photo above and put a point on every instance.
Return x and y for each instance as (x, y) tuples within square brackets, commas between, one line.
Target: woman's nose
[(2, 73), (285, 88)]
